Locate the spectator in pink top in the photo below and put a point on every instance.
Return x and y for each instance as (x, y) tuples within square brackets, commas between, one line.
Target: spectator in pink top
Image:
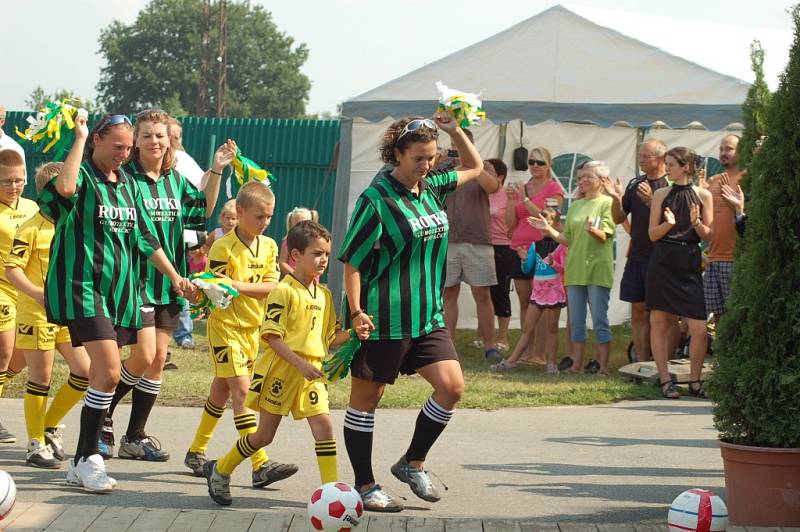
[(540, 191), (505, 258)]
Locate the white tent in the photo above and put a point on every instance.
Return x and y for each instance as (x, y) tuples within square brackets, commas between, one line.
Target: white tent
[(555, 80)]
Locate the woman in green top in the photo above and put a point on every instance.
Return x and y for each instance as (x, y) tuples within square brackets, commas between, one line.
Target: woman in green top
[(93, 278), (395, 252), (173, 204), (589, 273)]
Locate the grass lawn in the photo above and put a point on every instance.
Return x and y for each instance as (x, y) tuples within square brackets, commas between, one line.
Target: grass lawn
[(525, 386)]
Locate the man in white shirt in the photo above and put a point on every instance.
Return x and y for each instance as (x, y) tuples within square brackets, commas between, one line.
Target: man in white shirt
[(7, 142)]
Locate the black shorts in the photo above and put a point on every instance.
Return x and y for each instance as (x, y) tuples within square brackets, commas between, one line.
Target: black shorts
[(383, 360), (634, 279), (83, 330), (161, 316)]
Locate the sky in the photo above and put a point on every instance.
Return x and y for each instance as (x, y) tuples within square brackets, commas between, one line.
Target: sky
[(357, 45)]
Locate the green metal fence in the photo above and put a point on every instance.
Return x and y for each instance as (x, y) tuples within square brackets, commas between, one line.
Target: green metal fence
[(299, 153)]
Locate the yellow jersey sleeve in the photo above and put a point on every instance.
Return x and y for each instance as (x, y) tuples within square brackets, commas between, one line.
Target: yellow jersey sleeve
[(279, 307), (330, 323), (272, 273), (30, 251), (11, 218)]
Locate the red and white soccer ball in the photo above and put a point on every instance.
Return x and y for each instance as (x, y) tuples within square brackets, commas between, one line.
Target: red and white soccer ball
[(697, 510), (8, 494), (335, 506)]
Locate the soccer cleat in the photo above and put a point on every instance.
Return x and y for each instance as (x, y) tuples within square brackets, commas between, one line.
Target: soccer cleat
[(90, 474), (195, 462), (492, 355), (418, 479), (377, 500), (145, 448), (272, 471), (5, 436), (54, 437), (105, 445), (41, 456), (219, 486)]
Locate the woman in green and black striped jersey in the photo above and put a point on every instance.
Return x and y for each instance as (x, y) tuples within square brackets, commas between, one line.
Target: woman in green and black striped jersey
[(93, 277), (173, 204), (395, 252)]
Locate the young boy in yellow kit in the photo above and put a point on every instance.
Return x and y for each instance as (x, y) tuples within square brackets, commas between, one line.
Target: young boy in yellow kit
[(299, 326), (26, 267), (14, 210), (250, 261)]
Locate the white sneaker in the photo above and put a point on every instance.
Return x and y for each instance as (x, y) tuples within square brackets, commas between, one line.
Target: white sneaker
[(41, 456), (90, 473)]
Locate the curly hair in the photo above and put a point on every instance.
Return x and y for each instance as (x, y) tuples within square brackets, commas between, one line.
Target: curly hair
[(390, 140)]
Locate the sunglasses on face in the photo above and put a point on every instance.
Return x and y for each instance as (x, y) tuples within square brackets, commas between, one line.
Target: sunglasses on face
[(113, 120), (414, 125), (536, 162)]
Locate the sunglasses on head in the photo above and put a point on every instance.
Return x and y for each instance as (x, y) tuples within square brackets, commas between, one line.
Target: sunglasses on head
[(536, 162), (113, 120), (414, 125)]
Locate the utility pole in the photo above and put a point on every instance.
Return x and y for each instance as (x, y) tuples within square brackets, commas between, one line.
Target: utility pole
[(221, 63), (202, 80)]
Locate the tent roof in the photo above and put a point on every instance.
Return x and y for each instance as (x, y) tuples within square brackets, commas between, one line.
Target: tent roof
[(558, 65)]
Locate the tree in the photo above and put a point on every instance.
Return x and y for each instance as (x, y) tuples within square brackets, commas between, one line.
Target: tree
[(756, 380), (157, 61), (39, 97), (755, 106)]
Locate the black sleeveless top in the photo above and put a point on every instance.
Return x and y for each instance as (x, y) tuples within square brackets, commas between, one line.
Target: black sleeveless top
[(680, 199)]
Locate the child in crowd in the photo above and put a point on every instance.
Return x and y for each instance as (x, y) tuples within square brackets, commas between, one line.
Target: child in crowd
[(548, 292), (249, 260), (299, 327), (227, 221), (26, 269), (295, 216)]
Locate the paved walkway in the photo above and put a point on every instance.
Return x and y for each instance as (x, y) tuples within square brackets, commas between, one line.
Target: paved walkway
[(561, 468)]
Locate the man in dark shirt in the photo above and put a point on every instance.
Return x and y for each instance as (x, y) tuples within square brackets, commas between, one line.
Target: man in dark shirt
[(635, 201)]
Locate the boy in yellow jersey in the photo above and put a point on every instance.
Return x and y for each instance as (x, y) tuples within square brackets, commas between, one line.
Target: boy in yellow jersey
[(250, 261), (299, 326), (14, 210), (26, 268)]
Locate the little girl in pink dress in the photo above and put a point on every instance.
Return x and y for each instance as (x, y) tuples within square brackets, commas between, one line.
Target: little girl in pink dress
[(547, 292)]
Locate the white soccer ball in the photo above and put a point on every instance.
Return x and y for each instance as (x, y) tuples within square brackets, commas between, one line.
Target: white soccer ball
[(8, 494), (335, 506), (697, 510)]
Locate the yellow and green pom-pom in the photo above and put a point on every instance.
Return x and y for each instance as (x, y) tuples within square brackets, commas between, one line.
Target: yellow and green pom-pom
[(52, 128), (248, 170), (464, 107), (337, 365)]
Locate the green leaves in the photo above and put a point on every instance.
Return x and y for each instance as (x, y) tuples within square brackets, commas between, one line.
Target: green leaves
[(158, 62), (756, 382)]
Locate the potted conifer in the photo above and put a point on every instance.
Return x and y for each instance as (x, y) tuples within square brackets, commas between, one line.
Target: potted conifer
[(756, 382)]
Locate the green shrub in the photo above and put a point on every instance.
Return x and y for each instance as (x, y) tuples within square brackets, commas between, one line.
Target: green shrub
[(756, 383)]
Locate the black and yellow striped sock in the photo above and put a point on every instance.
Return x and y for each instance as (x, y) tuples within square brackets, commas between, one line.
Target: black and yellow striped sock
[(326, 460), (238, 454), (67, 396), (35, 404), (3, 379), (208, 422), (246, 424)]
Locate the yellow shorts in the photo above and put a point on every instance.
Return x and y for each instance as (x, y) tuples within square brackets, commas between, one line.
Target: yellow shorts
[(233, 351), (8, 317), (279, 388), (44, 338)]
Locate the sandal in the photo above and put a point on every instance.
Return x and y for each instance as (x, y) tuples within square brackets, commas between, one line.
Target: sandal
[(700, 391), (503, 365), (669, 391)]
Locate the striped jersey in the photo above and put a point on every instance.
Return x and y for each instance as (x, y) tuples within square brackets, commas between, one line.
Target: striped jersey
[(233, 258), (173, 204), (398, 242), (302, 316), (101, 233), (30, 252), (11, 218)]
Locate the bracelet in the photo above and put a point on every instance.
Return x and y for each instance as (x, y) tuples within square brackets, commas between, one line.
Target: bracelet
[(213, 172), (356, 313)]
